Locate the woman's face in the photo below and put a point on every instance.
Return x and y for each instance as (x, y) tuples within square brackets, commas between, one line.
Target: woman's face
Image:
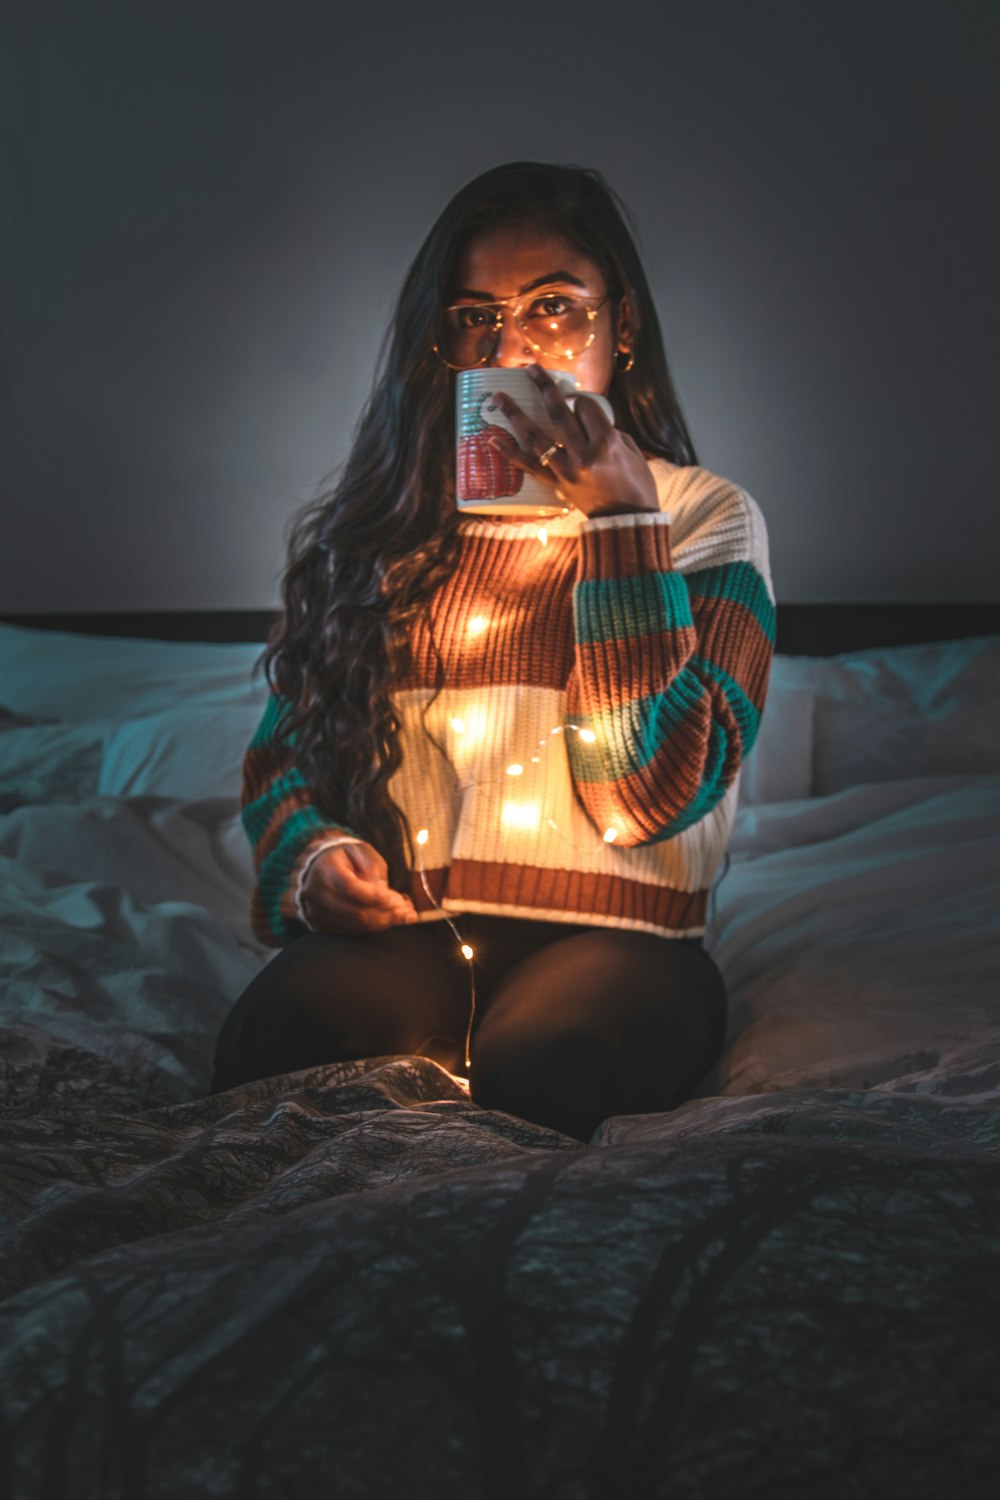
[(521, 261)]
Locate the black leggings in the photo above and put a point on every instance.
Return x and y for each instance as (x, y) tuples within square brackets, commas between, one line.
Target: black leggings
[(571, 1023)]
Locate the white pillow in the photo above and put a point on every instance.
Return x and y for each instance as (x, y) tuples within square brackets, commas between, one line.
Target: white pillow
[(57, 675), (779, 765), (902, 711), (188, 753)]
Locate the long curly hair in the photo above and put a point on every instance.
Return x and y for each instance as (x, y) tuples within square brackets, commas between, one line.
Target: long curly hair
[(366, 556)]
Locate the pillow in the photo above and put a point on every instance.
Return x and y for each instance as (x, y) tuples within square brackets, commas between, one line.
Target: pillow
[(902, 711), (188, 753), (60, 676), (779, 765)]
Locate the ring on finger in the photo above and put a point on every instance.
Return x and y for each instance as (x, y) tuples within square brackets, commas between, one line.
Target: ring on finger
[(546, 458)]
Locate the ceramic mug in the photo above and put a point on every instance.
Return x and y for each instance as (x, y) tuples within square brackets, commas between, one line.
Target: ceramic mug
[(486, 481)]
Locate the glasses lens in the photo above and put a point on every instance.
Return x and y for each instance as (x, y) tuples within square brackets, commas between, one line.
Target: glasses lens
[(469, 334), (558, 324)]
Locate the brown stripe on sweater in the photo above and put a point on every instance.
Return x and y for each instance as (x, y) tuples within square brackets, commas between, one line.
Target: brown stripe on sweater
[(436, 880), (536, 654), (524, 592), (260, 767), (575, 891), (625, 551), (730, 634), (616, 671), (657, 793), (271, 836)]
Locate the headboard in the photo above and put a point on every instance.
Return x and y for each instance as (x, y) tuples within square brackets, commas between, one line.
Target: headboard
[(803, 629)]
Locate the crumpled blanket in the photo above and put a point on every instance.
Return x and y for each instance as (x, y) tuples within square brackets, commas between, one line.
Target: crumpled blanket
[(354, 1281)]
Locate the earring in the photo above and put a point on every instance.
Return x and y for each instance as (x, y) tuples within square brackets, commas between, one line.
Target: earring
[(624, 369)]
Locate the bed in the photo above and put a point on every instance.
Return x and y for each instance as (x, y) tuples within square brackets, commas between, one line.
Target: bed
[(354, 1281)]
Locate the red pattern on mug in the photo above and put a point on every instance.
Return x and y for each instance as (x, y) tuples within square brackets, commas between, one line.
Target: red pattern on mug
[(484, 473)]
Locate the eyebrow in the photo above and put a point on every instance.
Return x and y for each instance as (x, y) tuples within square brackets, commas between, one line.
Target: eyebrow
[(530, 286)]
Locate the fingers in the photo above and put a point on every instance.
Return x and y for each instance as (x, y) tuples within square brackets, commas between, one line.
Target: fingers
[(531, 438), (338, 898), (579, 430), (564, 420), (355, 920), (593, 420)]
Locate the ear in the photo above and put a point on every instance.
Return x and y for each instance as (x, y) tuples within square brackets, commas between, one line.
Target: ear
[(624, 328)]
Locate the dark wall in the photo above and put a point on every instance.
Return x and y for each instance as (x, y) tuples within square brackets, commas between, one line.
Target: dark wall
[(209, 208)]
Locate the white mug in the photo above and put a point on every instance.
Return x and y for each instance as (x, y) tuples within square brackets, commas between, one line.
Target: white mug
[(485, 479)]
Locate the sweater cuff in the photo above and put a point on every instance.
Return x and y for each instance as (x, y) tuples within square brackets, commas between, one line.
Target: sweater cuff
[(622, 546), (312, 854)]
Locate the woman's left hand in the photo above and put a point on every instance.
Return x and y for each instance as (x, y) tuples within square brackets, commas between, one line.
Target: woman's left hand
[(596, 468)]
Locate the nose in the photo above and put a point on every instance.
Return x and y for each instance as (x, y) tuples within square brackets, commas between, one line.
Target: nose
[(513, 350)]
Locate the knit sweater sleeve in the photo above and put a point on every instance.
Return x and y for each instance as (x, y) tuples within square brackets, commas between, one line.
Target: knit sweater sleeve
[(671, 667), (283, 827)]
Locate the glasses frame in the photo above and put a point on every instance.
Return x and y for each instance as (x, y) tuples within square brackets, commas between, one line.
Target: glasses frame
[(517, 305)]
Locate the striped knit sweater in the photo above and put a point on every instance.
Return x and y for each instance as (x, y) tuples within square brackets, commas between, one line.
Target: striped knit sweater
[(604, 680)]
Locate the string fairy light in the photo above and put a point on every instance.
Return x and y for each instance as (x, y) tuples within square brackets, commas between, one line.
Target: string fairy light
[(468, 953), (514, 815)]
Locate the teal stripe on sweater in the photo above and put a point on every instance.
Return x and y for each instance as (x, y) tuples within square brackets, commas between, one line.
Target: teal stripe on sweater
[(276, 871), (710, 791), (257, 814), (609, 609), (631, 736), (741, 582), (275, 710)]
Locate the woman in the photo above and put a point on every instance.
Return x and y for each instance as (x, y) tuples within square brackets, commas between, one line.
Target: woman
[(498, 768)]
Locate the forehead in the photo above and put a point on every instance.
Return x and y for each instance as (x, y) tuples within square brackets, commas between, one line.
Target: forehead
[(501, 261)]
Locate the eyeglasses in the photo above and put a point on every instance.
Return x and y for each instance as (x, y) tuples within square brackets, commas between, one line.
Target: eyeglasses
[(553, 323)]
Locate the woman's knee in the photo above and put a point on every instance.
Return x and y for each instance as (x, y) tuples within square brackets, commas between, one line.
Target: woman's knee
[(566, 1079), (327, 998)]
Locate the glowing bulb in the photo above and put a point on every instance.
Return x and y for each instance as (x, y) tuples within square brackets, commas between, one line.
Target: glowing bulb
[(557, 730), (535, 759), (423, 836), (543, 535), (478, 625), (610, 834), (466, 951), (588, 735), (458, 725), (520, 814), (515, 769)]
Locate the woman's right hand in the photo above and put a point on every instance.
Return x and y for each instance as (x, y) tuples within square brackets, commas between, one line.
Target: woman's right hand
[(347, 891)]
